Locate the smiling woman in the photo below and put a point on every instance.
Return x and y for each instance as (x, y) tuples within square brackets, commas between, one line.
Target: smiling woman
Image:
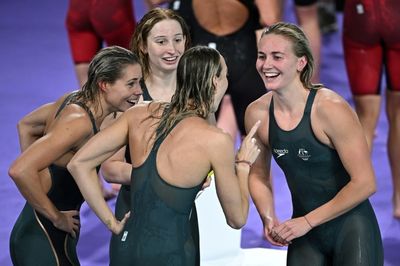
[(47, 229)]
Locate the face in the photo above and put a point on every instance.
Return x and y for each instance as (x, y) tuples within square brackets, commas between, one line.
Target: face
[(126, 91), (221, 85), (276, 62), (165, 45)]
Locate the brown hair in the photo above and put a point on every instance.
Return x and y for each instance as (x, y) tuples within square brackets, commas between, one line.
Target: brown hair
[(143, 28)]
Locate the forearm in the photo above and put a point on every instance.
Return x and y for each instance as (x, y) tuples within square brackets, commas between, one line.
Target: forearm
[(263, 198), (28, 134), (30, 187), (348, 197), (89, 185), (117, 172), (242, 171)]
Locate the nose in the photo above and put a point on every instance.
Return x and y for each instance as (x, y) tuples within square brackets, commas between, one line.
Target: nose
[(171, 47), (138, 90), (267, 62)]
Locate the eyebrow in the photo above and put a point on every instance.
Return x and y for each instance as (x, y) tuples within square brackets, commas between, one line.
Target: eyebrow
[(134, 79), (164, 36)]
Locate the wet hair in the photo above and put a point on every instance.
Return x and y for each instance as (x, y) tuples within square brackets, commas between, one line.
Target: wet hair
[(108, 65), (195, 90), (301, 47), (143, 28)]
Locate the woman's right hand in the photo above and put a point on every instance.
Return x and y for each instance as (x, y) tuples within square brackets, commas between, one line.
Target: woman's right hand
[(249, 150), (68, 222), (269, 224), (119, 225)]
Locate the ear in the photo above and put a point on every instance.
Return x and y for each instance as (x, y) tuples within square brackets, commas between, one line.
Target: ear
[(103, 86), (215, 81), (301, 63), (143, 48)]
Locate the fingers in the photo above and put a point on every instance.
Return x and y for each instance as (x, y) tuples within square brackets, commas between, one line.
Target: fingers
[(274, 241), (73, 212), (126, 217), (72, 222), (278, 238), (253, 130), (73, 234)]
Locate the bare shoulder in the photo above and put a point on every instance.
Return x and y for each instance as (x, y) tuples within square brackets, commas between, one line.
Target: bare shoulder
[(74, 117), (328, 102), (259, 111), (218, 135), (205, 135), (141, 111), (260, 103), (333, 118)]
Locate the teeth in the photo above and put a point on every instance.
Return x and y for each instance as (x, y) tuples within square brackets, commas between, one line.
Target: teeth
[(171, 58), (269, 75), (133, 102)]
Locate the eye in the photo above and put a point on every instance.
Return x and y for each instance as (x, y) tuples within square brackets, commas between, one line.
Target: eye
[(132, 84)]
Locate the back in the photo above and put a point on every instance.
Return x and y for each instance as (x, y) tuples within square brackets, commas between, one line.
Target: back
[(183, 158), (159, 233)]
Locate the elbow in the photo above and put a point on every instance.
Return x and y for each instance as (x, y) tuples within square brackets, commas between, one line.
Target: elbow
[(16, 171), (72, 167), (236, 223), (21, 123)]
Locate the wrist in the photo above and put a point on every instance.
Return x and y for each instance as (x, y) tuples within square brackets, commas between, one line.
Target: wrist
[(237, 161), (308, 222), (109, 223)]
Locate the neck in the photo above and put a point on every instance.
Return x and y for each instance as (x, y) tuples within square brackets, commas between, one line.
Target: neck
[(291, 100), (161, 86)]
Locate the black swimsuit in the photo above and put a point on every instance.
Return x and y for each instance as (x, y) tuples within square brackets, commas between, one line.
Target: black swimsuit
[(122, 206), (315, 174), (34, 240), (160, 231), (240, 52)]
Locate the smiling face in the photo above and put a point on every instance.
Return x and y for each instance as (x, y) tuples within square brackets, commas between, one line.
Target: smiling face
[(125, 91), (276, 62), (165, 45)]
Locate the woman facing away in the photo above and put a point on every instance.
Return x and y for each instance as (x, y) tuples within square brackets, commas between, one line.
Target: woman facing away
[(172, 147), (159, 41), (47, 230), (324, 157)]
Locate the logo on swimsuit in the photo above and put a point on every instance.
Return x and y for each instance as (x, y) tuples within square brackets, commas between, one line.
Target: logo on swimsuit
[(303, 154), (124, 236), (280, 152)]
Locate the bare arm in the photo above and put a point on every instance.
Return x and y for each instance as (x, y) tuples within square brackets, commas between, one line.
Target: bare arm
[(232, 182), (32, 126), (115, 169), (350, 142), (83, 168), (346, 135), (260, 180), (52, 147)]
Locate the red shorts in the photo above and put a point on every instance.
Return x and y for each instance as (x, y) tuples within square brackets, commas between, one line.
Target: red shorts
[(91, 22), (371, 42)]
